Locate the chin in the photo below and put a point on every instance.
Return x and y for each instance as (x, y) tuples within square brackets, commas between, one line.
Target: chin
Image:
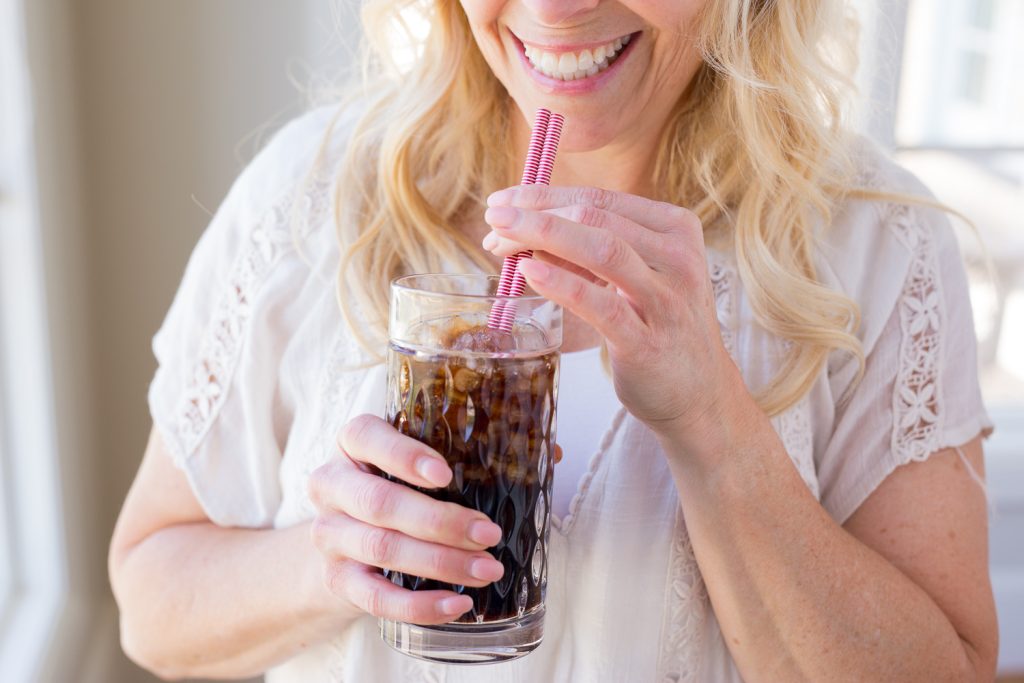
[(585, 130)]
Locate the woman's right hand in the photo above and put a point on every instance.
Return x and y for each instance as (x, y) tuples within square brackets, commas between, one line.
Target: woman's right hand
[(365, 523)]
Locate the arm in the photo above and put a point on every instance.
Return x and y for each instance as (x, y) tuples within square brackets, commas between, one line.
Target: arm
[(901, 593), (197, 599), (200, 600)]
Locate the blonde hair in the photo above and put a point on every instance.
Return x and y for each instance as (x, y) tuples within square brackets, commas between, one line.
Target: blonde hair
[(755, 147)]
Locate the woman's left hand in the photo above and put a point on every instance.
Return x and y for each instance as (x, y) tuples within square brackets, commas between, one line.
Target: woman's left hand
[(635, 270)]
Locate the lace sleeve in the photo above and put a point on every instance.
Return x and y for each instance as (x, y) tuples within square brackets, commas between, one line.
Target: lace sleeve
[(920, 392), (215, 397)]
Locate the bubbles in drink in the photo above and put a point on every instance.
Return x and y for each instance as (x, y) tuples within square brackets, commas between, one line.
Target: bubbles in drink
[(491, 417)]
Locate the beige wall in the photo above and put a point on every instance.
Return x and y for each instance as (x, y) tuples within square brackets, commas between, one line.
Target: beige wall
[(147, 110)]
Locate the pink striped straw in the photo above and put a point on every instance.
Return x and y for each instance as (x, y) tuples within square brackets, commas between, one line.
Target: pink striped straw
[(544, 168), (533, 160)]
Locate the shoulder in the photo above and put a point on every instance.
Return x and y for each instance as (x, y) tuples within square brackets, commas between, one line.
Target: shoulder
[(308, 145), (886, 202), (886, 226)]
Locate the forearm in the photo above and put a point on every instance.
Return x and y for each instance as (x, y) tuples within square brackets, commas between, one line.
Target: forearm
[(797, 597), (201, 600)]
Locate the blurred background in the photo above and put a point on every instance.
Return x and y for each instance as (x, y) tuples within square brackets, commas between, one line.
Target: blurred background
[(122, 125)]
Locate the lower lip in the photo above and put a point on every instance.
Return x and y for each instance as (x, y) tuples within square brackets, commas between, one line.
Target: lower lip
[(555, 86)]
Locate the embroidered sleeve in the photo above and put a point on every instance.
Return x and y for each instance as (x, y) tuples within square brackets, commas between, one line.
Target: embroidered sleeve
[(920, 391), (215, 397)]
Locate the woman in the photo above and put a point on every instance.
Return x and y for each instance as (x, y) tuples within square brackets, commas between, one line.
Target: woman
[(784, 484)]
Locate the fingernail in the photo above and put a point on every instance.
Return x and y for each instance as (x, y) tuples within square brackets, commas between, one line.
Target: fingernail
[(490, 242), (501, 198), (501, 216), (534, 270), (458, 604), (484, 532), (486, 569), (433, 470)]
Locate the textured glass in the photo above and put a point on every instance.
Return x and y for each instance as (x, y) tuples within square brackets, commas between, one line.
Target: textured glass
[(490, 417)]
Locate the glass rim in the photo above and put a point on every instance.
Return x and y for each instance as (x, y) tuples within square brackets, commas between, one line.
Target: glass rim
[(399, 283)]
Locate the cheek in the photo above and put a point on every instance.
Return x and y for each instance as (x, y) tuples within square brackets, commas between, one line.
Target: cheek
[(677, 24), (482, 16), (482, 13)]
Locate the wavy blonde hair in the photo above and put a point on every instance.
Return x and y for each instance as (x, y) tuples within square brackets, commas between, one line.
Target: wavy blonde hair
[(756, 147)]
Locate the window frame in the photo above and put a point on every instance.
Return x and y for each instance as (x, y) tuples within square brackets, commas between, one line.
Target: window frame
[(1001, 450), (31, 496)]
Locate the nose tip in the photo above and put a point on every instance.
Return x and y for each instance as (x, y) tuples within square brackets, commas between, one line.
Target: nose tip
[(557, 12)]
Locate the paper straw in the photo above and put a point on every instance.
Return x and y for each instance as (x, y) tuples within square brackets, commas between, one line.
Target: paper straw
[(533, 159), (544, 168)]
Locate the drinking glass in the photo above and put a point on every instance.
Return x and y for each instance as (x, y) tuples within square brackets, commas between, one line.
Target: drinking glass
[(484, 399)]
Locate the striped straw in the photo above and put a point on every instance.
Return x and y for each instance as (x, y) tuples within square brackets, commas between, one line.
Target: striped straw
[(534, 157), (544, 168)]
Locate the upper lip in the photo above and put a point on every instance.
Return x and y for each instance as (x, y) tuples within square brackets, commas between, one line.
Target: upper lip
[(567, 47)]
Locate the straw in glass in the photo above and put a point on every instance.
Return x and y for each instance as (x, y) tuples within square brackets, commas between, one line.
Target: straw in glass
[(533, 161), (544, 168)]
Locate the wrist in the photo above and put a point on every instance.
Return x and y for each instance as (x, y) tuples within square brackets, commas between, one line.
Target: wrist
[(717, 435)]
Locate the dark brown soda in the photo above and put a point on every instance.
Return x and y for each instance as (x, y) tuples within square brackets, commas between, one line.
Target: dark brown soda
[(492, 418)]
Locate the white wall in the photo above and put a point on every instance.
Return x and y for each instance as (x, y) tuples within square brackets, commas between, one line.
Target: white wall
[(147, 111)]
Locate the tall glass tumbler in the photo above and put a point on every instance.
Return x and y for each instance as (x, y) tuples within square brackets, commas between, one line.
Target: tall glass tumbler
[(485, 400)]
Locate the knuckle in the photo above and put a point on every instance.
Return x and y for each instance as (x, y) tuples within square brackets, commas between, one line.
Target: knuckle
[(437, 517), (436, 564), (679, 214), (595, 197), (319, 531), (376, 497), (577, 293), (373, 599), (397, 452), (610, 251), (585, 215), (354, 431), (378, 546), (337, 578), (616, 313), (315, 486), (322, 481), (545, 225)]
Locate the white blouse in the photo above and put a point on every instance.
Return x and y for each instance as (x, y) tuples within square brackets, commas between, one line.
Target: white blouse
[(584, 391), (257, 372)]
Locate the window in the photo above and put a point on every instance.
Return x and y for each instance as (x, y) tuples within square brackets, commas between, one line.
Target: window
[(32, 562), (959, 127)]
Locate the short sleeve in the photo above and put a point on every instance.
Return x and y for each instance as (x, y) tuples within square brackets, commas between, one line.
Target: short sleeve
[(919, 392), (215, 397)]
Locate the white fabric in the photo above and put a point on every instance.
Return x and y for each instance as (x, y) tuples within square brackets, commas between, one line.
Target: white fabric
[(585, 392), (257, 371)]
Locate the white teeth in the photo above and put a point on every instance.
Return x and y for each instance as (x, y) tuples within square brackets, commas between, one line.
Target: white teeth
[(586, 60), (568, 66)]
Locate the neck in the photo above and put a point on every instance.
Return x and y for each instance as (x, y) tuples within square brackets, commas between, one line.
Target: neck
[(624, 165)]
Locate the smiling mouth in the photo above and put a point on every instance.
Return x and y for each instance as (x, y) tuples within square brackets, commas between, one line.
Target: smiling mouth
[(574, 66)]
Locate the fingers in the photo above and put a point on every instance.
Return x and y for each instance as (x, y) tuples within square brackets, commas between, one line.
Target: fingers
[(376, 501), (659, 216), (601, 251), (368, 590), (609, 313), (371, 440), (339, 536)]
